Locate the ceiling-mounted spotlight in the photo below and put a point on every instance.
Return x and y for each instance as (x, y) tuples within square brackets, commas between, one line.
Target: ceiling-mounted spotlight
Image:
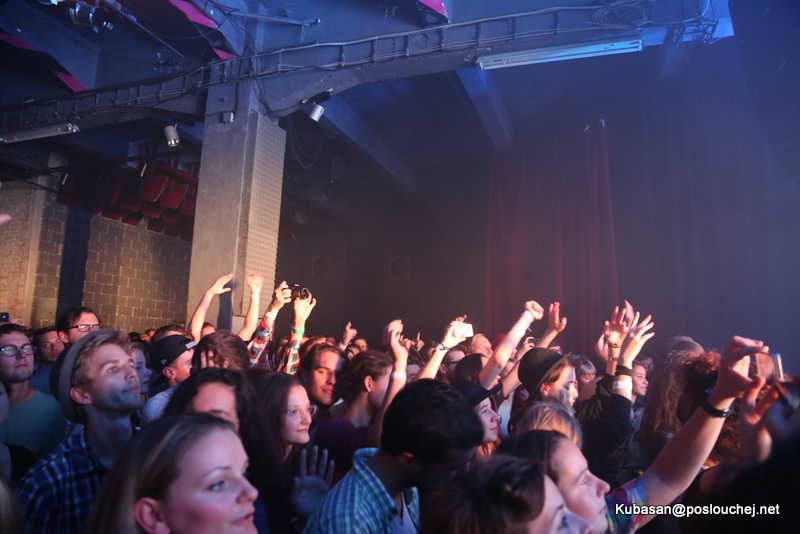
[(94, 17), (316, 113), (171, 133), (312, 105)]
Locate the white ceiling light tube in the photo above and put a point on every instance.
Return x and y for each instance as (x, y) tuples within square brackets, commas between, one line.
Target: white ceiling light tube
[(561, 53)]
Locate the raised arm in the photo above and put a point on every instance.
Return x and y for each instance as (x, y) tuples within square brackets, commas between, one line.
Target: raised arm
[(555, 325), (452, 337), (533, 311), (393, 333), (638, 334), (263, 335), (348, 336), (684, 454), (256, 282), (302, 310), (199, 315)]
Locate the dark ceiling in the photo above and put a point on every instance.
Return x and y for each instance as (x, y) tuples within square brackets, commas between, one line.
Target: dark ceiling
[(402, 72)]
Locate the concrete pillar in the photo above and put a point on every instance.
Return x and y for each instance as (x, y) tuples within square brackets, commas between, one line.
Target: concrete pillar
[(238, 201)]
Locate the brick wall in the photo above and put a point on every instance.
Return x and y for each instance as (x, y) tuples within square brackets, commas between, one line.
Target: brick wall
[(16, 199), (136, 279), (132, 277)]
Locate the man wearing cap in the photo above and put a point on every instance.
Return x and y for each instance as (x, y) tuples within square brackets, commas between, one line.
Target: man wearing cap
[(95, 383), (34, 419), (172, 364)]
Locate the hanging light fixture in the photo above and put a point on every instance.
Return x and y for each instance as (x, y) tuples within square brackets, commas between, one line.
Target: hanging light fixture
[(316, 113), (171, 133)]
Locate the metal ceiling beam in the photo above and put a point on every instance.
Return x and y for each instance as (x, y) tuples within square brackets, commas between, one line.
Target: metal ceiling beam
[(351, 131), (482, 90), (291, 75)]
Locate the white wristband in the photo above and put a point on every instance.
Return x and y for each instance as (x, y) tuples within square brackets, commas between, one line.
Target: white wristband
[(255, 297), (270, 315), (398, 375), (623, 385)]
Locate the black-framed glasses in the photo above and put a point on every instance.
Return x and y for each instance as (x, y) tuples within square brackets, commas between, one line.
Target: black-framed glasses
[(312, 409), (13, 350), (86, 327)]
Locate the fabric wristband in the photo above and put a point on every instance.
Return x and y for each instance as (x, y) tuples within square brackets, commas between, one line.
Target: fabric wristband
[(255, 297), (271, 315), (623, 385), (442, 348), (298, 331), (398, 375)]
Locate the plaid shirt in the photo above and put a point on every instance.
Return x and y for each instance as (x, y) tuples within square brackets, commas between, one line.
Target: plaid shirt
[(58, 492), (261, 339), (360, 504), (629, 494)]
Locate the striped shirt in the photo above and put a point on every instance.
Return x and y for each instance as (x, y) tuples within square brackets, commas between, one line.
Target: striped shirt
[(360, 504)]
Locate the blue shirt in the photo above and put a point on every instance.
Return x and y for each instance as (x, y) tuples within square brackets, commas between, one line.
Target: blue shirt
[(359, 503), (58, 492)]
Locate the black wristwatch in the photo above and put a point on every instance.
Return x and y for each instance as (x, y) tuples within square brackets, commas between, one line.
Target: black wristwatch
[(713, 412)]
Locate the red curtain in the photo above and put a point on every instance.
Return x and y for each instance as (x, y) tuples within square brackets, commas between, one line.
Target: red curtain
[(551, 237)]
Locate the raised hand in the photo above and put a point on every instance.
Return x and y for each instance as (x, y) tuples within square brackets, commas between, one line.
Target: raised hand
[(555, 323), (313, 483), (303, 307), (394, 335), (536, 311), (418, 343), (282, 295), (733, 379), (635, 339), (453, 334), (255, 281), (396, 325), (349, 334), (614, 330), (219, 286)]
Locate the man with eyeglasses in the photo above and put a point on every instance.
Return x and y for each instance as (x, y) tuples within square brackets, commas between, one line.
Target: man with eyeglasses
[(34, 420), (75, 323)]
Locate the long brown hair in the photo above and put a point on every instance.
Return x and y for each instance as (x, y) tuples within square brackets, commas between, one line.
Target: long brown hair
[(271, 392), (660, 418)]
